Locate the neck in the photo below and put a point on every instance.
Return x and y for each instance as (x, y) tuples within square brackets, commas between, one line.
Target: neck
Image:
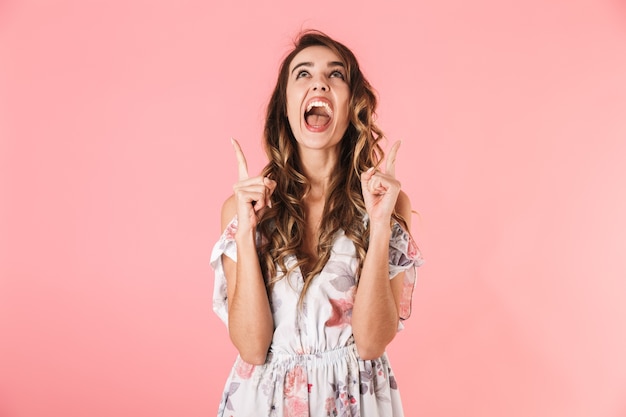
[(318, 166)]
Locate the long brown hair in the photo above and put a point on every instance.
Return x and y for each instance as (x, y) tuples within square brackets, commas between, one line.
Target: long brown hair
[(283, 225)]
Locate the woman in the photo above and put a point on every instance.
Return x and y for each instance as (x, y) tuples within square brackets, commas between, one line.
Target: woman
[(315, 268)]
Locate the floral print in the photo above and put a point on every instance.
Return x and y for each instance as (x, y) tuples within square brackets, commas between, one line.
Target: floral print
[(342, 312), (296, 383), (313, 368), (296, 392), (244, 369)]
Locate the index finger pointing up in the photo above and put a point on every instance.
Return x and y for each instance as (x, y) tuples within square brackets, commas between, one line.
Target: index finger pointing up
[(391, 159), (242, 165)]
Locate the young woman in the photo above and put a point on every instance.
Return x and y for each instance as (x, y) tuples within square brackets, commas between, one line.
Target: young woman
[(316, 266)]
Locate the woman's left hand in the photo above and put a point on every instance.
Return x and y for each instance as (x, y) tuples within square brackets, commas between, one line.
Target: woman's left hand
[(380, 189)]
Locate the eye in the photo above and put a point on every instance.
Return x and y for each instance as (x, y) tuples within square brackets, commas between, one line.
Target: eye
[(337, 74), (302, 73)]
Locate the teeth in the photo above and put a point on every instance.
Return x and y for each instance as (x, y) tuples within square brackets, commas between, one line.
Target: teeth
[(319, 104)]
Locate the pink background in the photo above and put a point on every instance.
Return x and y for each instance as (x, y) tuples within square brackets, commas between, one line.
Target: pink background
[(115, 119)]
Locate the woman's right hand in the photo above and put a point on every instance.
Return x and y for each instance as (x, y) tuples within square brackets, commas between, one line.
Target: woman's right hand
[(251, 194)]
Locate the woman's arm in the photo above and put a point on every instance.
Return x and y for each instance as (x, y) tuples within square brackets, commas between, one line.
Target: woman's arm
[(375, 313), (250, 322), (376, 305)]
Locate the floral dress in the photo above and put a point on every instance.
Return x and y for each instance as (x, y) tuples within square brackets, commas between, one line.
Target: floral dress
[(313, 368)]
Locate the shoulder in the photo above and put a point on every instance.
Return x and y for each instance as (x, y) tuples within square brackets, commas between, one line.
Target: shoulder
[(229, 209)]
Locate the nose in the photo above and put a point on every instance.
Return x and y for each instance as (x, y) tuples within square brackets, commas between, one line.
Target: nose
[(320, 85)]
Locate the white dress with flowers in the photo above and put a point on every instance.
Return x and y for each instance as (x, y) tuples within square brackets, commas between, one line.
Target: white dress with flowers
[(313, 368)]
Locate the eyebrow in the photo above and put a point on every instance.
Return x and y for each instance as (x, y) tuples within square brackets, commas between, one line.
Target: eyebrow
[(310, 64)]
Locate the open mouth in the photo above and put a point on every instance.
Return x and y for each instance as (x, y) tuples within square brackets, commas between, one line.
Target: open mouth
[(318, 114)]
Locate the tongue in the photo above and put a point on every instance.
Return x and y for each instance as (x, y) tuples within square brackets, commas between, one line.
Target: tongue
[(317, 119)]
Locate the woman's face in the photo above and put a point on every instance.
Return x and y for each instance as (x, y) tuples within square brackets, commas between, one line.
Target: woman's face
[(318, 98)]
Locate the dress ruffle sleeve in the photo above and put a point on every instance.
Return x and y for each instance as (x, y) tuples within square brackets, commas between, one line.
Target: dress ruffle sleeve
[(404, 256), (225, 246)]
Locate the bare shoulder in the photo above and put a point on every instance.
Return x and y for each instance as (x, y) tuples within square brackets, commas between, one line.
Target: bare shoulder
[(403, 207), (229, 209)]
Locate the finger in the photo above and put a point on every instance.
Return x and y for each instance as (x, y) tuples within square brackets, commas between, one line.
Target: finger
[(255, 188), (367, 175), (242, 165), (391, 159), (250, 182), (271, 186), (256, 199), (376, 185)]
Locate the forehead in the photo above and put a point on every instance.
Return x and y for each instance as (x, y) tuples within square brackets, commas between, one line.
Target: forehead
[(316, 55)]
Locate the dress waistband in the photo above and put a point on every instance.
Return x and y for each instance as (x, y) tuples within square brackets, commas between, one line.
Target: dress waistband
[(324, 358)]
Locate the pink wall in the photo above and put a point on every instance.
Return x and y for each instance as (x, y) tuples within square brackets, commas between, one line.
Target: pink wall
[(114, 159)]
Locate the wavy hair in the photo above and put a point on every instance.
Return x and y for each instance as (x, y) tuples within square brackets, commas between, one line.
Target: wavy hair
[(282, 226)]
